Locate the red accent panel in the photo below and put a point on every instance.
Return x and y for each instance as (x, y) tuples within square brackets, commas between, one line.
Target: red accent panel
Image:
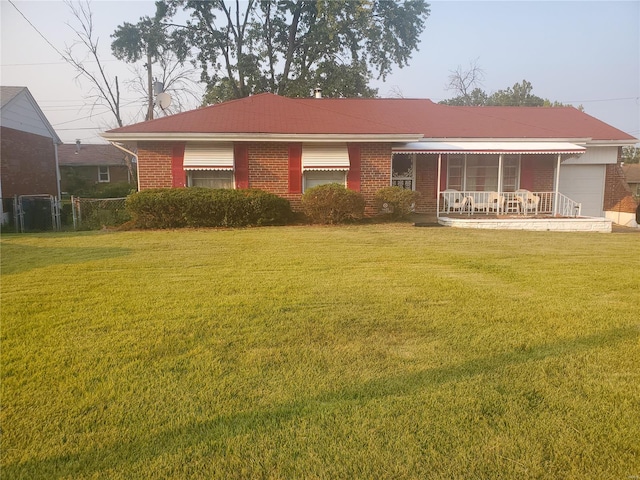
[(295, 168), (353, 177), (443, 173), (178, 176), (526, 172), (241, 165)]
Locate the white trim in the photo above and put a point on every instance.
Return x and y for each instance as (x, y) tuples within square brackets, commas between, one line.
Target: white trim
[(208, 156), (221, 169), (325, 156), (490, 147)]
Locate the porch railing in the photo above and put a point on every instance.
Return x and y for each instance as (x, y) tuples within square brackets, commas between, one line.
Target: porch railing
[(522, 202)]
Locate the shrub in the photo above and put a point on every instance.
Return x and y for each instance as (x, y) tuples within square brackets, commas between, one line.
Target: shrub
[(332, 203), (396, 202), (204, 207)]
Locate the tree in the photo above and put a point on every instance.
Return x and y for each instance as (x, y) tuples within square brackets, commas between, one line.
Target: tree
[(517, 96), (630, 154), (148, 40), (291, 46), (467, 83), (104, 89)]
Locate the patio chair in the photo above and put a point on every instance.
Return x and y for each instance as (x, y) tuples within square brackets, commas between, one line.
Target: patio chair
[(454, 201), (528, 201), (479, 201), (495, 202)]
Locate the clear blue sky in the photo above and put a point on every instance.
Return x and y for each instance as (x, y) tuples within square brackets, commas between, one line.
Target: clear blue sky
[(574, 52)]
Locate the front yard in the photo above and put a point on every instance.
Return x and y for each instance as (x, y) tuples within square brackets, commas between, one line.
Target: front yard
[(376, 351)]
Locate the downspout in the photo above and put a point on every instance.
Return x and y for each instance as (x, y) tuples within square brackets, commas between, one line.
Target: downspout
[(438, 184), (557, 187), (58, 178), (125, 150)]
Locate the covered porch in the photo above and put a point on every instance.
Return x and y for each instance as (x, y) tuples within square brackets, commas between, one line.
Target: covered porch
[(487, 178)]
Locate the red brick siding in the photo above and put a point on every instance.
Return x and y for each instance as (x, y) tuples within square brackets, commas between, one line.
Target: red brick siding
[(426, 182), (375, 172), (617, 194), (543, 172), (154, 165), (28, 164)]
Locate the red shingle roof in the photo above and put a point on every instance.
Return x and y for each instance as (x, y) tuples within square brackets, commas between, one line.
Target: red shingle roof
[(271, 114)]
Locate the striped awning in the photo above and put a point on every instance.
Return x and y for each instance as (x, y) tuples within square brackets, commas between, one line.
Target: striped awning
[(490, 147), (325, 156), (208, 156)]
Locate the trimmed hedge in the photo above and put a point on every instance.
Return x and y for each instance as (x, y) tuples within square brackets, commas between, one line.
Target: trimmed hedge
[(205, 207), (396, 202), (332, 203)]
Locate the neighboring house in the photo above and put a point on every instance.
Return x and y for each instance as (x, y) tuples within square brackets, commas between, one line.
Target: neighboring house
[(91, 164), (287, 145), (632, 177), (28, 156), (28, 146)]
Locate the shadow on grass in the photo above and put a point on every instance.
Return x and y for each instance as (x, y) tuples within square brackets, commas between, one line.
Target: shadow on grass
[(23, 258), (219, 430)]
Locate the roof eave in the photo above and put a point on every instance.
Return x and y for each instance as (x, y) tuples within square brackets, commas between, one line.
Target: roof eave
[(264, 137)]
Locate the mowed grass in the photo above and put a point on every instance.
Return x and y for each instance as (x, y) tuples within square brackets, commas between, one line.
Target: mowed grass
[(377, 351)]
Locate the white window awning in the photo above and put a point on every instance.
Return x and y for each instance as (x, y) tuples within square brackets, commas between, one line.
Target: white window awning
[(208, 156), (325, 156), (490, 147)]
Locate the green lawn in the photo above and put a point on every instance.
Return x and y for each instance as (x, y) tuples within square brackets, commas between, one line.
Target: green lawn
[(378, 351)]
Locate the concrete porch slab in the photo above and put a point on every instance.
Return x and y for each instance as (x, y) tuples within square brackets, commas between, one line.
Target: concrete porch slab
[(584, 224)]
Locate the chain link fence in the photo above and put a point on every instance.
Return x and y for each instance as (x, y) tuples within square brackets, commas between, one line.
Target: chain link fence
[(97, 213)]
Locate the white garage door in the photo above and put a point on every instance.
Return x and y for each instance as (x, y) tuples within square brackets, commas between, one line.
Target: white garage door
[(584, 184)]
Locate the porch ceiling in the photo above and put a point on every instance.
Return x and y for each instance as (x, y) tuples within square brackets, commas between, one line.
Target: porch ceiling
[(490, 147)]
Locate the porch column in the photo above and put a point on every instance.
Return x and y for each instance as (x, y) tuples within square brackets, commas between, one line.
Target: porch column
[(438, 186), (500, 186), (557, 187)]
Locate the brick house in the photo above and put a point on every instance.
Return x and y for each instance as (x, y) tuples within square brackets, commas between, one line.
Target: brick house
[(92, 164), (286, 145), (29, 146)]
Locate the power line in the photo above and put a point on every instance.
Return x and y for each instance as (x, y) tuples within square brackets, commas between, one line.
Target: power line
[(34, 27)]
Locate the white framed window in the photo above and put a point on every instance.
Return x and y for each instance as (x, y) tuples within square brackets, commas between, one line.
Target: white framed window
[(313, 178), (103, 175), (403, 171), (479, 172), (510, 173), (210, 178)]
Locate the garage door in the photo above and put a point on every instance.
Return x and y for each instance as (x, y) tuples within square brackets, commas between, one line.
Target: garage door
[(584, 184)]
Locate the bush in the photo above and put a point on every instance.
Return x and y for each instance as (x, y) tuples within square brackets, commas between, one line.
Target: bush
[(205, 207), (396, 202), (332, 203)]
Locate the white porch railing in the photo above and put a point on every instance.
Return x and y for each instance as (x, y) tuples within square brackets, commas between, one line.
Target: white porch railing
[(521, 202)]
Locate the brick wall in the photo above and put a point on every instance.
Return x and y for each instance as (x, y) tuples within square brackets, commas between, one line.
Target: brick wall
[(154, 165), (617, 194), (28, 164), (426, 182), (268, 168), (543, 172)]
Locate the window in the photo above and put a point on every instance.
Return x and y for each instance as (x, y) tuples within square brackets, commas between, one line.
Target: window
[(403, 171), (482, 173), (210, 178), (510, 173), (456, 172), (479, 172), (103, 174), (313, 178)]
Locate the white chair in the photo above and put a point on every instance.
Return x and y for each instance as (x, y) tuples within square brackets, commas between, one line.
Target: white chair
[(496, 202), (454, 201), (528, 201)]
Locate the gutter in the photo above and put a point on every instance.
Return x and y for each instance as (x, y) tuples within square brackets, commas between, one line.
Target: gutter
[(126, 150)]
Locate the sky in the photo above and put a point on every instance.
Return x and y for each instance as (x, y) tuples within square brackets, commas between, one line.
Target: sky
[(574, 52)]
